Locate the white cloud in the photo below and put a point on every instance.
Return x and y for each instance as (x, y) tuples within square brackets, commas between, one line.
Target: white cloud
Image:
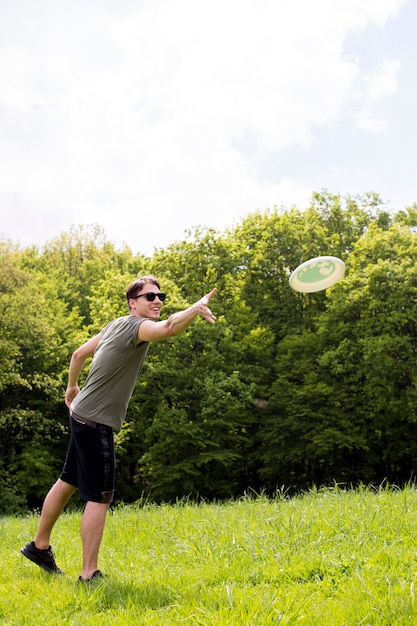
[(376, 85), (155, 116), (382, 82), (366, 120)]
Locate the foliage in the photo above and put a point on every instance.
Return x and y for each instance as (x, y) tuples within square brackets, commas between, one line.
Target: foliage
[(285, 389)]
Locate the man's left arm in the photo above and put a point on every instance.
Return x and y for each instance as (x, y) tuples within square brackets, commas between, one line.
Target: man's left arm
[(178, 322)]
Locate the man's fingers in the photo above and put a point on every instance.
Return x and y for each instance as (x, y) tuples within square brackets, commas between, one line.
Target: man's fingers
[(206, 313), (209, 295)]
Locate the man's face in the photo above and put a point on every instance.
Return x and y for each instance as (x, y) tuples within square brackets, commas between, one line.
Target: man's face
[(142, 306)]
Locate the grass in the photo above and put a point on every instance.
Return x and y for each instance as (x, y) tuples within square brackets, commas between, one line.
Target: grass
[(328, 557)]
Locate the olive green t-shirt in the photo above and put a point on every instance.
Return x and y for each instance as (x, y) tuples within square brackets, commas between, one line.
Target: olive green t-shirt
[(111, 380)]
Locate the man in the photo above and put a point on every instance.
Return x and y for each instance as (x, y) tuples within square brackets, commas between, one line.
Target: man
[(118, 352)]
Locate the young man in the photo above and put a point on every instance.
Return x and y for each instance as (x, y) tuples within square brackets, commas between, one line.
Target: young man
[(118, 352)]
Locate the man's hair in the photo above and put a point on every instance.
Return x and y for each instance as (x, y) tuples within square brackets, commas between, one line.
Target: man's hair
[(137, 285)]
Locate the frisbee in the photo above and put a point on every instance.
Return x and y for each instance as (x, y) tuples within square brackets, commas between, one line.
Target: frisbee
[(317, 274)]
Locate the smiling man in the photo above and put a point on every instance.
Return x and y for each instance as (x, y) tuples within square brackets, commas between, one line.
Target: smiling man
[(118, 352)]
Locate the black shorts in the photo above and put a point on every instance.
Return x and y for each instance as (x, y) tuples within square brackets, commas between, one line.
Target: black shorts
[(90, 460)]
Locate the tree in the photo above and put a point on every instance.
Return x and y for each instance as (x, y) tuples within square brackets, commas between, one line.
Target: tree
[(36, 329), (286, 388), (343, 405)]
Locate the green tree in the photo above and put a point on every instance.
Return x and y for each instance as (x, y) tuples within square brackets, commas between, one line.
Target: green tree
[(286, 388), (78, 260), (375, 317), (343, 403), (36, 329)]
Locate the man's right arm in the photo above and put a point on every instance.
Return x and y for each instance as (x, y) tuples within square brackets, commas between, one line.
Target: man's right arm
[(78, 359)]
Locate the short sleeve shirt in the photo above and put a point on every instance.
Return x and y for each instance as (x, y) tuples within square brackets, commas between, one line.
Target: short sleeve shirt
[(116, 365)]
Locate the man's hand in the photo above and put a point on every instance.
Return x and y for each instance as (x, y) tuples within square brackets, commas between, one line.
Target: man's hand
[(70, 394), (202, 306)]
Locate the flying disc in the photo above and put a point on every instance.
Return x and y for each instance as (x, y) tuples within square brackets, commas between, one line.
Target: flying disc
[(317, 274)]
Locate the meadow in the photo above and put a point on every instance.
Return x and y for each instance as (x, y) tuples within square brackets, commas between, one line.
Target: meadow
[(325, 557)]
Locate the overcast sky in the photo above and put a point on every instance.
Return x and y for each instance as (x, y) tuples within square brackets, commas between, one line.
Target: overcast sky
[(149, 117)]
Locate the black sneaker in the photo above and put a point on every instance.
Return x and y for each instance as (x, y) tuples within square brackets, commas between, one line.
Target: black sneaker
[(97, 574), (44, 558)]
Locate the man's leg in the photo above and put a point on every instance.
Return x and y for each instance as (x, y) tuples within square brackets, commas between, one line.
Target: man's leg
[(54, 504), (92, 527), (39, 550)]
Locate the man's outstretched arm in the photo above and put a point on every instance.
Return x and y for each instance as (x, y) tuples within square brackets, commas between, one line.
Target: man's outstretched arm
[(178, 322)]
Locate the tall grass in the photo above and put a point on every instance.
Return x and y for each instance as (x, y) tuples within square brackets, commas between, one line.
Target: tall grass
[(328, 557)]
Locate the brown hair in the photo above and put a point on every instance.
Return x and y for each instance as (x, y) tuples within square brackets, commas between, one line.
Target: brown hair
[(137, 285)]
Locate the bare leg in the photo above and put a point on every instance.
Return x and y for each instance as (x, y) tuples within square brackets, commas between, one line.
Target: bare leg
[(92, 527), (55, 501)]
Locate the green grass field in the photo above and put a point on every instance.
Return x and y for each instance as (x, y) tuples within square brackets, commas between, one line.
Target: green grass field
[(328, 557)]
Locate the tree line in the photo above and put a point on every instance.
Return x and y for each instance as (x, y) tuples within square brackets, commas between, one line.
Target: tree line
[(286, 391)]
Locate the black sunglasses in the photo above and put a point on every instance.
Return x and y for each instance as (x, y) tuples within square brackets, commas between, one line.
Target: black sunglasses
[(150, 296)]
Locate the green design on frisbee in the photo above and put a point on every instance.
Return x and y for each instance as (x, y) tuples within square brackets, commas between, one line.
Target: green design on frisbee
[(317, 274)]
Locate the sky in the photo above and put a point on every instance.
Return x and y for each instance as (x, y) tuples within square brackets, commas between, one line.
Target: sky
[(152, 117)]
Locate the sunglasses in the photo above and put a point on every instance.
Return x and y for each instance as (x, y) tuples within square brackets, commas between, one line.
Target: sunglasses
[(150, 296)]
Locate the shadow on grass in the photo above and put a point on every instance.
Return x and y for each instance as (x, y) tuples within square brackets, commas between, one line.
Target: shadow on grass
[(112, 594)]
